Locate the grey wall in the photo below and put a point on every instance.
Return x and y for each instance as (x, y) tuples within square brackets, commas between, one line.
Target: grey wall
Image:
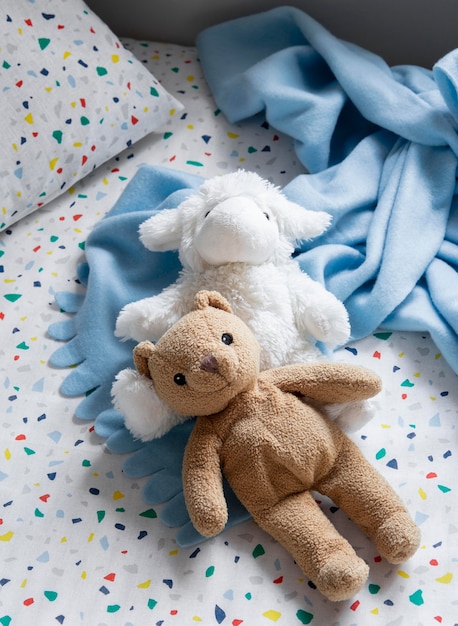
[(401, 31)]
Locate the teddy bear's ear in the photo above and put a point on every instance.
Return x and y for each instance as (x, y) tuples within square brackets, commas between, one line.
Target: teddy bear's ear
[(162, 231), (142, 352), (300, 223), (204, 299)]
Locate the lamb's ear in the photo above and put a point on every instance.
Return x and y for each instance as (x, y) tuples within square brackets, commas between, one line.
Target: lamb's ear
[(203, 299), (162, 231), (142, 352), (296, 222)]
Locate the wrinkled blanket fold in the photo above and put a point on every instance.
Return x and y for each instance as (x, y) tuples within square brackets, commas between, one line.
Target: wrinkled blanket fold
[(381, 147)]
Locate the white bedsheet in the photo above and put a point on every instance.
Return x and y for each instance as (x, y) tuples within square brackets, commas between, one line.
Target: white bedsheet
[(78, 545)]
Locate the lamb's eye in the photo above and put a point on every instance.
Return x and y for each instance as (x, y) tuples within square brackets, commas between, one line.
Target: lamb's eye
[(267, 216), (227, 338), (179, 379)]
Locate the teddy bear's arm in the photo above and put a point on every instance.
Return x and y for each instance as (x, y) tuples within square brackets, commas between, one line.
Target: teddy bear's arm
[(326, 382), (203, 481), (317, 311)]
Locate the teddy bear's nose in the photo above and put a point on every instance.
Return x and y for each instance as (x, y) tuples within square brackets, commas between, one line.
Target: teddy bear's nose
[(209, 364)]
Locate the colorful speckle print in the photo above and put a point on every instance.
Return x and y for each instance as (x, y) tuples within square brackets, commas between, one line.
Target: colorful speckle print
[(79, 545), (72, 97)]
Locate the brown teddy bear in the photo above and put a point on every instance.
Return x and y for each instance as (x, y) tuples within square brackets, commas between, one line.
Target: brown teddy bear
[(273, 447)]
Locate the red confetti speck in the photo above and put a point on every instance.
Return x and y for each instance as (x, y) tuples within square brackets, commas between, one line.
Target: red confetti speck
[(431, 475), (134, 120), (45, 497), (83, 102), (173, 612), (77, 216), (237, 622), (19, 83), (28, 21), (438, 618), (29, 601), (92, 30), (276, 138), (93, 148), (278, 580), (60, 26), (34, 134), (2, 315), (83, 159), (36, 248), (110, 577), (377, 355), (16, 358), (404, 396), (355, 605), (377, 559), (20, 437), (115, 169), (59, 170), (128, 85), (434, 562)]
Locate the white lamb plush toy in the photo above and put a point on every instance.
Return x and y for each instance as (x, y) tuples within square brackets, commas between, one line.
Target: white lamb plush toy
[(235, 235)]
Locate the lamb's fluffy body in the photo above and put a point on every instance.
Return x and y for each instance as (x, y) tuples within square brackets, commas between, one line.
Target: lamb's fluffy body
[(236, 235)]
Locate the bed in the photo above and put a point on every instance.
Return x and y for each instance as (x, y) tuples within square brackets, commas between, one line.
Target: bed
[(90, 124)]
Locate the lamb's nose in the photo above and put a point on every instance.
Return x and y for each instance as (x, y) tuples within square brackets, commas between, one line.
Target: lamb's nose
[(209, 364)]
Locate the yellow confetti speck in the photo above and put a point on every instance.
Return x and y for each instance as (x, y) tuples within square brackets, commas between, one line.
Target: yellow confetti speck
[(196, 618), (422, 494), (144, 585), (446, 579), (401, 354), (190, 78), (52, 163), (7, 536), (115, 58), (272, 615), (173, 552), (84, 575), (29, 118), (118, 495), (63, 540), (66, 54), (232, 135), (403, 574), (374, 611), (90, 538), (386, 426), (24, 583), (7, 454), (190, 126), (417, 374)]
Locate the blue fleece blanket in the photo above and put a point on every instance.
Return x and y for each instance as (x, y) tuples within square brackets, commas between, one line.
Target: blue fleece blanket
[(381, 145)]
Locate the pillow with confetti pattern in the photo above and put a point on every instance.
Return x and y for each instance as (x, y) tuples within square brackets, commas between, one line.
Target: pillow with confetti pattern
[(71, 97)]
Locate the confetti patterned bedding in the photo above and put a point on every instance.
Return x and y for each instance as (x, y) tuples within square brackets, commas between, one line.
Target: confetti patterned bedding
[(79, 544)]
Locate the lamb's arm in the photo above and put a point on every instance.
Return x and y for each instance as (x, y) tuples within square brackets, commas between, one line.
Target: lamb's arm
[(203, 481), (316, 310), (326, 382), (150, 318)]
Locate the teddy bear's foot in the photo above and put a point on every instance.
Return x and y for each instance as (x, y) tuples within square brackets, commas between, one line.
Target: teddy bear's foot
[(342, 576), (398, 538)]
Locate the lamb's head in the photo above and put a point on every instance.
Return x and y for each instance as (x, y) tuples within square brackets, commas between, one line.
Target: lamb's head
[(235, 218)]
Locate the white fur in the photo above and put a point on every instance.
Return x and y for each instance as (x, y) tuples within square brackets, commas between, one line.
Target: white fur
[(235, 235)]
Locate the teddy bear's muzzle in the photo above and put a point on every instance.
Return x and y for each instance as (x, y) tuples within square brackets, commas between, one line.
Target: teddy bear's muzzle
[(209, 364)]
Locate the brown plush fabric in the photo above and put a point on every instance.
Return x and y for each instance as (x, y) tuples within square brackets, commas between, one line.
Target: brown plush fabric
[(273, 447)]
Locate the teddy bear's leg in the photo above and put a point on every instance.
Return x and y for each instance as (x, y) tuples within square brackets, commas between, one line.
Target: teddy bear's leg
[(364, 494), (321, 552)]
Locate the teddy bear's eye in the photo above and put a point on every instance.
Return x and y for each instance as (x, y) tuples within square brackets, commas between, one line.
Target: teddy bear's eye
[(179, 379), (227, 338)]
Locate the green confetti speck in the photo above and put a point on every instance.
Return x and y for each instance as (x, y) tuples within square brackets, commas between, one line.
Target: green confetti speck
[(54, 238), (86, 463), (248, 596), (417, 598), (44, 42), (113, 608), (84, 120), (150, 513), (29, 451), (304, 617), (38, 513), (210, 571), (167, 135), (102, 71), (407, 383), (51, 595), (251, 150), (82, 245), (196, 163), (373, 589), (443, 488), (12, 297), (258, 551), (383, 336), (152, 603), (22, 346), (57, 134), (100, 516), (154, 92), (380, 454)]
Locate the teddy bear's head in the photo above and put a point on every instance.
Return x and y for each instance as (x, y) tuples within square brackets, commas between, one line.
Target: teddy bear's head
[(207, 358), (235, 218)]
